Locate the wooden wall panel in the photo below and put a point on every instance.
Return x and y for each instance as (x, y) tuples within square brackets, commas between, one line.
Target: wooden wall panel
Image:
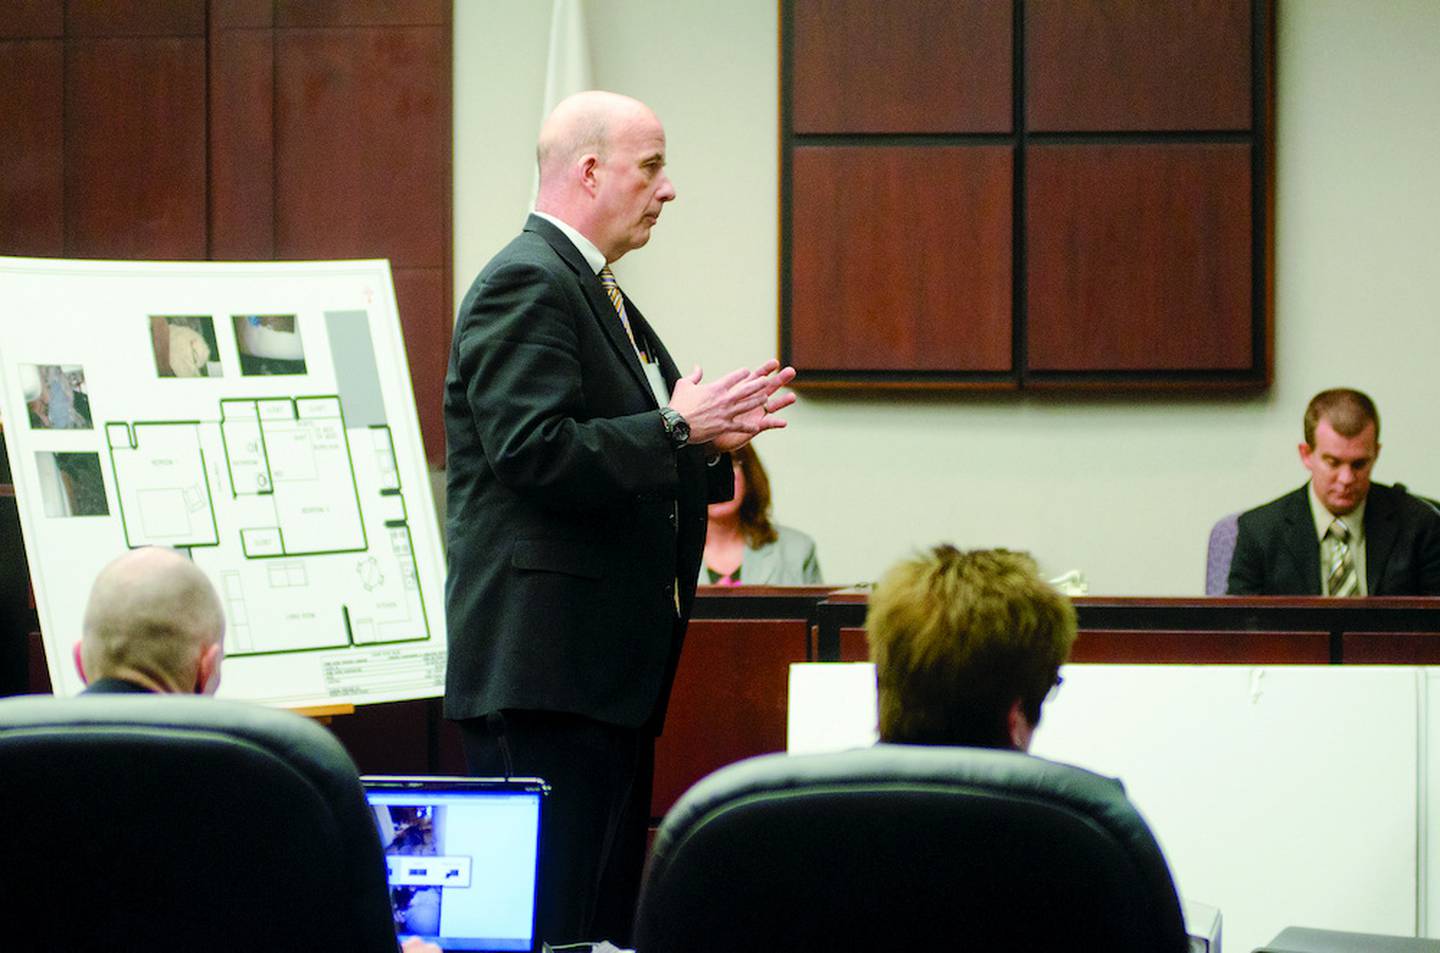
[(729, 701), (349, 183), (1390, 648), (1198, 647), (923, 66), (134, 18), (32, 187), (135, 177), (901, 258), (1139, 257), (32, 19), (422, 295), (362, 12), (242, 143), (1127, 65)]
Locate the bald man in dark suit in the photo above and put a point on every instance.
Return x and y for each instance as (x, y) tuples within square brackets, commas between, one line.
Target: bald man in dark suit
[(580, 465)]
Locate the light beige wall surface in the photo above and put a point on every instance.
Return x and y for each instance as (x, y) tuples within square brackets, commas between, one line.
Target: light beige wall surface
[(1123, 488)]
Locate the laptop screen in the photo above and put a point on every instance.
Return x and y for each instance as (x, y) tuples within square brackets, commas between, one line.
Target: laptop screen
[(461, 854)]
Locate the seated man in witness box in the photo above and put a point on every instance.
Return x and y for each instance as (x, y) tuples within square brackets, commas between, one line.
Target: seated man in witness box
[(155, 624), (967, 646), (1340, 534)]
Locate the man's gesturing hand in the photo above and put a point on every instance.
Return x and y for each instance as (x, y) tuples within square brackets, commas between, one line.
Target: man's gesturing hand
[(730, 411)]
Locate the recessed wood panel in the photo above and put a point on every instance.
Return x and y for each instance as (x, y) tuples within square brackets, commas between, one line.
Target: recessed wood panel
[(32, 19), (922, 66), (362, 144), (361, 12), (135, 18), (425, 319), (1390, 648), (242, 145), (1200, 647), (252, 14), (32, 198), (1128, 65), (900, 258), (135, 148), (1139, 257), (729, 701)]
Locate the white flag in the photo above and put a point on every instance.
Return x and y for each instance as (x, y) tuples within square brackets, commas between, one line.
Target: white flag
[(567, 69)]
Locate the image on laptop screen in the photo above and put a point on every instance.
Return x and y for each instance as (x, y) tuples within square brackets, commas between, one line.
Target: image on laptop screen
[(461, 856)]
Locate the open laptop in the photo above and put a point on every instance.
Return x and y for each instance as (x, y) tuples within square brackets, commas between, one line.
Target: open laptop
[(462, 855)]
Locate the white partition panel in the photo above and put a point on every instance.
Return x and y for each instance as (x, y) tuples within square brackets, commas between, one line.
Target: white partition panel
[(1282, 795)]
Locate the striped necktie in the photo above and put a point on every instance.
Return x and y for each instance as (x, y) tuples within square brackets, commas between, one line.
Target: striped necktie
[(1341, 579), (607, 281)]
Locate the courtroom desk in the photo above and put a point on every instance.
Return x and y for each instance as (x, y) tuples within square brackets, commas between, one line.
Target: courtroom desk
[(729, 699), (1219, 630)]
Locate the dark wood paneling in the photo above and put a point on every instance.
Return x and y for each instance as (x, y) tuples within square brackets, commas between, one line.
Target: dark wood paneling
[(135, 148), (254, 14), (362, 12), (422, 297), (900, 258), (32, 197), (1390, 648), (1139, 257), (242, 144), (32, 19), (135, 18), (390, 738), (729, 700), (922, 66), (1198, 647), (362, 144), (854, 646), (1128, 65)]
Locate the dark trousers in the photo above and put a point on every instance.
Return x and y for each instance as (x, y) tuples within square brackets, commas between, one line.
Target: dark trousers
[(597, 815)]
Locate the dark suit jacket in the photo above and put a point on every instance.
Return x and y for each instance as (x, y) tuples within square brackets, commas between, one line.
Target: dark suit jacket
[(114, 686), (569, 515), (1277, 554)]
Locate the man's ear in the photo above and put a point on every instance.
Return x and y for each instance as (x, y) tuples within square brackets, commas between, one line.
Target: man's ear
[(586, 167), (207, 672), (79, 664), (1020, 728)]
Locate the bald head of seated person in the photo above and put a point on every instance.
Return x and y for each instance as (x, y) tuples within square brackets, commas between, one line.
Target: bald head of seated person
[(153, 624), (967, 646), (1339, 534)]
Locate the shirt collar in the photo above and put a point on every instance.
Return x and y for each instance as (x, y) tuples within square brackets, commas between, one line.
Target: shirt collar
[(594, 257), (1354, 520)]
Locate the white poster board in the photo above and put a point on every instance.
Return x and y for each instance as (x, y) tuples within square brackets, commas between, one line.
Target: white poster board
[(256, 416)]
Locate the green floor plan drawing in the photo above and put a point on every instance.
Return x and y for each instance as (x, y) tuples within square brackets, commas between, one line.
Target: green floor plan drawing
[(256, 417)]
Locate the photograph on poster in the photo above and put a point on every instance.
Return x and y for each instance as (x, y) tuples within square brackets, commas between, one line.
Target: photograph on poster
[(55, 396), (71, 484), (269, 344), (185, 345)]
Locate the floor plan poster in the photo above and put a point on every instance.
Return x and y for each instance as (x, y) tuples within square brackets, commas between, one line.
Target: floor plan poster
[(257, 417)]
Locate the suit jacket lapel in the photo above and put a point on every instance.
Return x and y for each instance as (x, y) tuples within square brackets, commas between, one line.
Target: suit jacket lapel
[(1301, 542), (601, 308), (1382, 529)]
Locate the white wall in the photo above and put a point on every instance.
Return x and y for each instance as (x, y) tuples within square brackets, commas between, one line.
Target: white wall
[(1124, 488)]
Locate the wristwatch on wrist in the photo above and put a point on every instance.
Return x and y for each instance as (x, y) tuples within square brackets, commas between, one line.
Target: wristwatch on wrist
[(676, 427)]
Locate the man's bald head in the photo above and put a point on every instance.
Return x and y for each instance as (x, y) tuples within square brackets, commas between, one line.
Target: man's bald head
[(154, 619), (578, 125), (602, 169)]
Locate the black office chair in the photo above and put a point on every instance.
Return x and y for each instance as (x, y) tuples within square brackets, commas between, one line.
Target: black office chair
[(132, 822), (906, 848)]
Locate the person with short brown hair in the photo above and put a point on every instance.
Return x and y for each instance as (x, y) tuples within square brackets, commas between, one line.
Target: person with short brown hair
[(966, 645), (1340, 534)]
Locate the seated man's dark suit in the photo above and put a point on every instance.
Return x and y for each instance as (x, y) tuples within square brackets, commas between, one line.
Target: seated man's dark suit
[(571, 519), (1277, 552)]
